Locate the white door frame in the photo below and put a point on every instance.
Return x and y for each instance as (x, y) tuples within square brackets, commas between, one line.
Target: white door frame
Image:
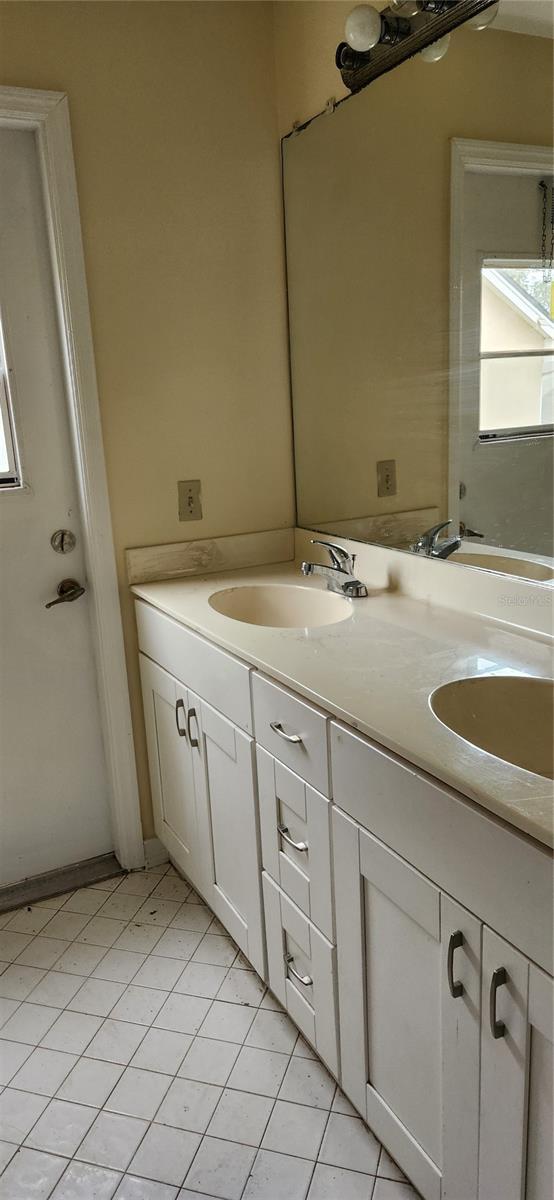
[(47, 113), (488, 158)]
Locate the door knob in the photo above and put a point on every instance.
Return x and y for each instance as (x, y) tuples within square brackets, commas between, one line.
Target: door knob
[(67, 590)]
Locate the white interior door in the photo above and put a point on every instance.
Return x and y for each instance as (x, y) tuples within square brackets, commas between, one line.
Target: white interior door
[(54, 799)]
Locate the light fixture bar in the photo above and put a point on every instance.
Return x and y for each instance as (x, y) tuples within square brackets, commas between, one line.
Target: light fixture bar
[(434, 21)]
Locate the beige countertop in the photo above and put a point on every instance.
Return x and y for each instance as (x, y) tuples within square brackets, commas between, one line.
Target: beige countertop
[(376, 670)]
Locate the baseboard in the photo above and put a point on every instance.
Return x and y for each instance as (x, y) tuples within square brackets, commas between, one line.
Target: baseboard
[(55, 883), (155, 853)]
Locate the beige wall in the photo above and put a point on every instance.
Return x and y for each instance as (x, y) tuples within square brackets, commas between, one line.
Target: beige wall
[(176, 147)]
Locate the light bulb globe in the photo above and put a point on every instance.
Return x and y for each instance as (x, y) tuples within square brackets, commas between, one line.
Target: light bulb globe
[(404, 8), (436, 50), (363, 27), (484, 18)]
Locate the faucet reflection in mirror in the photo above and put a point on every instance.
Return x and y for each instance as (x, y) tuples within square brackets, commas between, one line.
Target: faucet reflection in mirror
[(431, 543)]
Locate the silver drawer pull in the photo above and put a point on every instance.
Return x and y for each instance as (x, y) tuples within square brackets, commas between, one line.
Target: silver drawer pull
[(305, 980), (302, 846), (287, 737)]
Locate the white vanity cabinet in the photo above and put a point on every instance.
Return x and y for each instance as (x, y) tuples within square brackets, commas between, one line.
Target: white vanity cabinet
[(407, 931)]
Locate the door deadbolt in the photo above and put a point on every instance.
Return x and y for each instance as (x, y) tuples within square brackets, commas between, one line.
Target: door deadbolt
[(63, 541)]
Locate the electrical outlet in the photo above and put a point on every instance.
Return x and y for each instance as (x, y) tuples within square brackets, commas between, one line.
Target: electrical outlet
[(190, 503), (386, 477)]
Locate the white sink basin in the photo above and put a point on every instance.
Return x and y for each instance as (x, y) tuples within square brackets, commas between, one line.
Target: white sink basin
[(510, 716), (524, 568), (281, 606)]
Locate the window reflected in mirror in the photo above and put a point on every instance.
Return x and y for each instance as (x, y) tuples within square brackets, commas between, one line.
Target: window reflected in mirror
[(517, 350)]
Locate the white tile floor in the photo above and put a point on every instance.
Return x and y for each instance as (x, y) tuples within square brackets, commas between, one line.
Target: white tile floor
[(142, 1059)]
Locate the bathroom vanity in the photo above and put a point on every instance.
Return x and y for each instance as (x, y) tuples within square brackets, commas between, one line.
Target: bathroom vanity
[(389, 880)]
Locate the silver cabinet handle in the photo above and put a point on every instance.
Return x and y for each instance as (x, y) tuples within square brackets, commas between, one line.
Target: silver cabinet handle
[(287, 737), (305, 980), (302, 846), (67, 590), (181, 729), (454, 986), (193, 740), (498, 979)]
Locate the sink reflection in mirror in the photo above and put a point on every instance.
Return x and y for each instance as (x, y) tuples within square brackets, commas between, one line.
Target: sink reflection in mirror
[(421, 306), (284, 606), (509, 716), (521, 568)]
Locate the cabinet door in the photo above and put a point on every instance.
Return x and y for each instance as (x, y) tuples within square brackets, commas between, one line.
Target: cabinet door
[(228, 825), (461, 936), (515, 1157), (539, 1175), (171, 767), (400, 1039)]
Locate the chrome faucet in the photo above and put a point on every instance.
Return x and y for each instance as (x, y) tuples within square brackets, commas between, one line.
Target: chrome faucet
[(428, 543), (339, 575)]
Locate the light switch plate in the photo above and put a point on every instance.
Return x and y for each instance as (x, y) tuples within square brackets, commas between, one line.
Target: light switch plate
[(386, 477), (190, 502)]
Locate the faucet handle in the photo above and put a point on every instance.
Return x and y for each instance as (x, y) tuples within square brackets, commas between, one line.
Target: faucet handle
[(340, 558), (466, 532)]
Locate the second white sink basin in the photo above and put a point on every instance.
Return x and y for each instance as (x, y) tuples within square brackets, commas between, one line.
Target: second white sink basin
[(281, 606), (510, 716)]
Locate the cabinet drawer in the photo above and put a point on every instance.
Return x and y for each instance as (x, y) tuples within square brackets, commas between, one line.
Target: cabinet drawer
[(213, 674), (290, 805), (295, 945), (279, 716)]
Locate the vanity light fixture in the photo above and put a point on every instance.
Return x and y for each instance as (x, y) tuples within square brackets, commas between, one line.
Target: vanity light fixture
[(377, 41)]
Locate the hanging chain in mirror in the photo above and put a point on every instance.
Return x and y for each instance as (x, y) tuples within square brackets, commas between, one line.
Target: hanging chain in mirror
[(547, 233)]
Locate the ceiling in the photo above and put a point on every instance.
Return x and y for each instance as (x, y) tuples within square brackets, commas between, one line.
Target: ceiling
[(526, 16)]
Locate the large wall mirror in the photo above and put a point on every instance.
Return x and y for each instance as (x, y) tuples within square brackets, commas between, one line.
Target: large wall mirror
[(419, 231)]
